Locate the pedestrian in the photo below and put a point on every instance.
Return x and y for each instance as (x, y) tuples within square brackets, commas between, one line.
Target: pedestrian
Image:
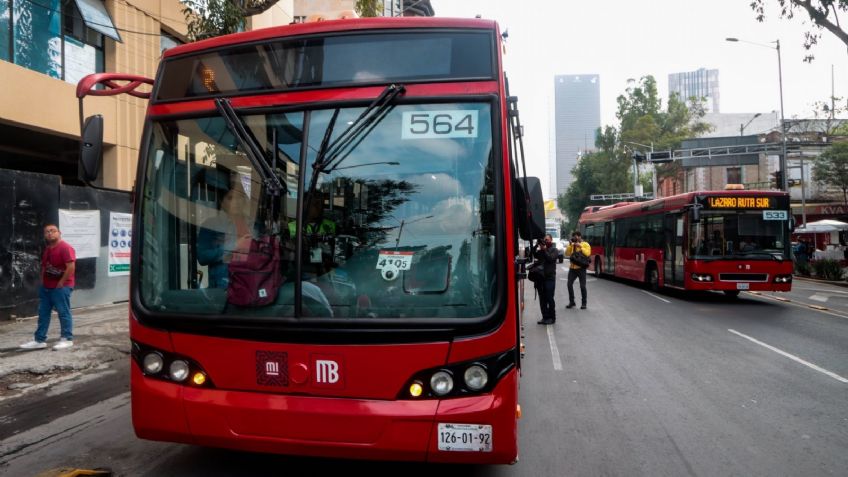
[(575, 271), (58, 263), (223, 236), (546, 257)]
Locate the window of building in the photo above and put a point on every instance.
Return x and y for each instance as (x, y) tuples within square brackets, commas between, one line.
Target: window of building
[(168, 41), (55, 37), (734, 175), (299, 19)]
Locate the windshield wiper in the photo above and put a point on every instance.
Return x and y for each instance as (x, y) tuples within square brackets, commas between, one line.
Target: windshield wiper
[(250, 145)]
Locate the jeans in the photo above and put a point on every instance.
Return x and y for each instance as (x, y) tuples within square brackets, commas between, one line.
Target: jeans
[(574, 274), (60, 299), (546, 291)]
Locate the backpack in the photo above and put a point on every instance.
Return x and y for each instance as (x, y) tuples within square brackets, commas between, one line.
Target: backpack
[(535, 274), (255, 277), (577, 258)]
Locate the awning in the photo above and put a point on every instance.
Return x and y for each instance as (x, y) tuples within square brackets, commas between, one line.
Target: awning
[(96, 17)]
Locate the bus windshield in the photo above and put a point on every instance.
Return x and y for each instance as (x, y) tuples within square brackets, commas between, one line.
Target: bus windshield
[(399, 224), (737, 234)]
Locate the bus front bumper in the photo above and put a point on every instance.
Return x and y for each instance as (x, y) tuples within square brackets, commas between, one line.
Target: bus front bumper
[(322, 426)]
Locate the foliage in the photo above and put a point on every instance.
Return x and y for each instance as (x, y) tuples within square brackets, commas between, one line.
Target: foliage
[(824, 15), (803, 268), (831, 168), (828, 269), (368, 8), (828, 111), (210, 18), (643, 121)]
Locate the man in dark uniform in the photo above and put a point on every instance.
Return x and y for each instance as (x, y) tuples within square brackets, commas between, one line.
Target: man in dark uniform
[(546, 256)]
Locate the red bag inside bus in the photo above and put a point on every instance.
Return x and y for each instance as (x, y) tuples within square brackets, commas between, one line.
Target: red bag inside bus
[(255, 275)]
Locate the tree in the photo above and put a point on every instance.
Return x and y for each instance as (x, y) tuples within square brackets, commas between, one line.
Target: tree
[(368, 8), (643, 121), (210, 18), (823, 13), (831, 168)]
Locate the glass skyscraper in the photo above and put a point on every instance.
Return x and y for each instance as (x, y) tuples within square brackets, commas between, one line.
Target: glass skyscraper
[(577, 117)]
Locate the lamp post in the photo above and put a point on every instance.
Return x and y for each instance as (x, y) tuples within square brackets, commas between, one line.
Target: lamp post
[(653, 167), (784, 185), (743, 126)]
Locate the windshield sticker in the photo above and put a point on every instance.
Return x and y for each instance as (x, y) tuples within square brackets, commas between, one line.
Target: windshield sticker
[(390, 263), (447, 124)]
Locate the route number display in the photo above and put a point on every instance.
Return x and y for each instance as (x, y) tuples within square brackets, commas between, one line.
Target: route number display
[(439, 124)]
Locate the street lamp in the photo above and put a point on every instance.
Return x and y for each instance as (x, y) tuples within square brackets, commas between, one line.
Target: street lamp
[(653, 168), (743, 126), (784, 185)]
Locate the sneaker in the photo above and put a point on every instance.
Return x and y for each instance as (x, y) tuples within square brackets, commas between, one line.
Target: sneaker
[(63, 343), (33, 345)]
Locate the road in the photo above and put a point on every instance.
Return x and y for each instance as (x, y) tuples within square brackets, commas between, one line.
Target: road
[(639, 384)]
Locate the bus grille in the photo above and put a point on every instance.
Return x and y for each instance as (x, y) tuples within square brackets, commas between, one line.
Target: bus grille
[(743, 277)]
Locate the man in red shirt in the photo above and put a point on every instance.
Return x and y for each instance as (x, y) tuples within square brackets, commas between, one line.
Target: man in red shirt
[(57, 282)]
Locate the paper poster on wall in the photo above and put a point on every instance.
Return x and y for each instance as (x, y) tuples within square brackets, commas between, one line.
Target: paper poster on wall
[(81, 229), (120, 227)]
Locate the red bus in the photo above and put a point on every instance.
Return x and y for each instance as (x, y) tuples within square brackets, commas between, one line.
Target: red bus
[(731, 240), (324, 256)]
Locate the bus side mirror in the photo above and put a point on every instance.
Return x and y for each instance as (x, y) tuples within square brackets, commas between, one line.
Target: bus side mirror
[(792, 223), (696, 213), (91, 148), (530, 208)]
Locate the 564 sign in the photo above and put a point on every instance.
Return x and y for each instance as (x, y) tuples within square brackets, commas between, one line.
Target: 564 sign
[(456, 123)]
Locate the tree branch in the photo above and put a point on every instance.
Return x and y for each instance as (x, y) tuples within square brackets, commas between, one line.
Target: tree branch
[(821, 19)]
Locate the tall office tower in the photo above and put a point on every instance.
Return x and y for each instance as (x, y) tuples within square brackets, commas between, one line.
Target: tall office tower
[(702, 83), (577, 117)]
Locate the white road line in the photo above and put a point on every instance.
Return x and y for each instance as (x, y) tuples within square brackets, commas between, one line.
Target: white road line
[(820, 298), (792, 357), (797, 304), (658, 298), (554, 349)]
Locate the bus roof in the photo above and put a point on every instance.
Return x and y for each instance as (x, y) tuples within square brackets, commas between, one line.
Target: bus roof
[(670, 203), (329, 26)]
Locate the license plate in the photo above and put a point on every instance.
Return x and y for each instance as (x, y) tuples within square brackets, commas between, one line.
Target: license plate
[(743, 286), (465, 437)]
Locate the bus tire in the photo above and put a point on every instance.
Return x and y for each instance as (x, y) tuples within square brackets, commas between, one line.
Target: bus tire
[(598, 267), (732, 293), (652, 277)]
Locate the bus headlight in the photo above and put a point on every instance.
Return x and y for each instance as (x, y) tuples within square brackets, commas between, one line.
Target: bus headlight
[(179, 370), (783, 279), (441, 383), (476, 377), (702, 277), (153, 363)]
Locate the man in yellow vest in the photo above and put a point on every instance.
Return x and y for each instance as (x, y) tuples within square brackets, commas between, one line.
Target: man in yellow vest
[(575, 271)]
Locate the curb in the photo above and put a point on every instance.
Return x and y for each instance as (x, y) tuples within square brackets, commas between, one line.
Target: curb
[(817, 280)]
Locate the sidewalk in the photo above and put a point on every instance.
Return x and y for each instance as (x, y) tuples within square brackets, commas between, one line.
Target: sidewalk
[(101, 335)]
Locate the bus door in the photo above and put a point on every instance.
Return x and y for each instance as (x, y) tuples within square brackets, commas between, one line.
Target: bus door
[(673, 252), (609, 247)]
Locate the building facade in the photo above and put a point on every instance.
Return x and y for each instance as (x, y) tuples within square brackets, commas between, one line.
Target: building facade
[(303, 9), (701, 83), (577, 117)]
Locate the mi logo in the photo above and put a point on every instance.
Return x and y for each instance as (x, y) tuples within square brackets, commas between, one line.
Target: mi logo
[(326, 371), (272, 368)]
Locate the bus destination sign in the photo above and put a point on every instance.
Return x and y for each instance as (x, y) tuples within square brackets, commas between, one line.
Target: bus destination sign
[(745, 202)]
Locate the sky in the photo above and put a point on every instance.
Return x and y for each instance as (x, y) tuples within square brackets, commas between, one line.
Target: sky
[(630, 39)]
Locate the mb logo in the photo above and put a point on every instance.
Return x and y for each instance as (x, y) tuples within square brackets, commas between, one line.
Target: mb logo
[(326, 371)]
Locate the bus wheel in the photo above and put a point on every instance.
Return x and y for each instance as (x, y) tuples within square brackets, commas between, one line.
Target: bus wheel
[(652, 277), (598, 267), (732, 293)]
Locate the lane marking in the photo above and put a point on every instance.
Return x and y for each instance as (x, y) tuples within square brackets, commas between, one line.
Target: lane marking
[(792, 357), (820, 298), (554, 349), (658, 298), (800, 304)]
